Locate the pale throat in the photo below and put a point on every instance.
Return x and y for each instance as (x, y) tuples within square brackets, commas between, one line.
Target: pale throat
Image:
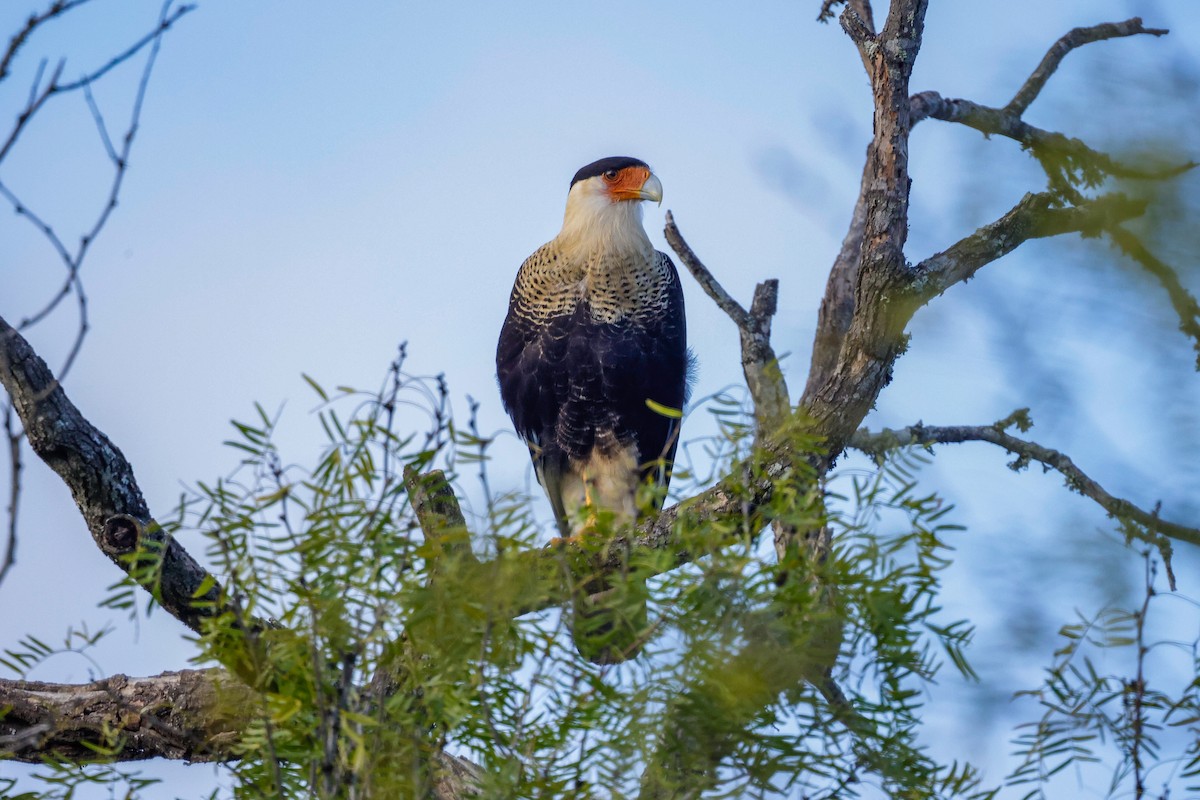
[(594, 225)]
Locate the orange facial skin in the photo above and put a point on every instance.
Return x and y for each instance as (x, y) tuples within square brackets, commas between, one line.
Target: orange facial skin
[(627, 183)]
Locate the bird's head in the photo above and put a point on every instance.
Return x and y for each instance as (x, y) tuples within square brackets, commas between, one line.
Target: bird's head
[(604, 205)]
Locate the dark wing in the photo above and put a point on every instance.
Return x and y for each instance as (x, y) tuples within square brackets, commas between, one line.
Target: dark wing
[(533, 387), (569, 382), (625, 375), (650, 376)]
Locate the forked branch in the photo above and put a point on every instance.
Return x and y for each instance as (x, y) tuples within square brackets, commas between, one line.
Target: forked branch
[(768, 389)]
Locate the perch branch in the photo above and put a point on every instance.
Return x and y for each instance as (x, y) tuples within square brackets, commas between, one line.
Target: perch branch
[(920, 435)]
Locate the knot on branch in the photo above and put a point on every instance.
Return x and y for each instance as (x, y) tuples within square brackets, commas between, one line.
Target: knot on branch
[(121, 534)]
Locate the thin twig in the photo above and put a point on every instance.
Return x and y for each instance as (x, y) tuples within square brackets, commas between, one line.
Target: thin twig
[(101, 128), (164, 24), (707, 281), (14, 489), (1026, 451), (36, 101), (1138, 688), (53, 88), (56, 9), (1073, 39)]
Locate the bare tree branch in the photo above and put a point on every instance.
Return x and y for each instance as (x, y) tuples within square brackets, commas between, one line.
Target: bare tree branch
[(1074, 38), (1061, 156), (760, 365), (54, 87), (707, 281), (1032, 218), (56, 9), (1026, 451)]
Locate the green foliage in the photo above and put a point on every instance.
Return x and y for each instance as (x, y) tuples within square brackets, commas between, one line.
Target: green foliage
[(60, 780), (30, 652), (1143, 735), (383, 634), (378, 647)]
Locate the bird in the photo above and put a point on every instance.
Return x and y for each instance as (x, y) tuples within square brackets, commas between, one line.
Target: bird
[(592, 364)]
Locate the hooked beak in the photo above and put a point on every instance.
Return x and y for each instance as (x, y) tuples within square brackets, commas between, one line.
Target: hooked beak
[(651, 189)]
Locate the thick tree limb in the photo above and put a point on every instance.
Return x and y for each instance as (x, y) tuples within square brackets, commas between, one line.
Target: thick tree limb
[(194, 715), (872, 342), (190, 715), (837, 305), (1026, 452), (839, 399), (102, 483)]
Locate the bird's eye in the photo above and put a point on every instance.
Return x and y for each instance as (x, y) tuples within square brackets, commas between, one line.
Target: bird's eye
[(610, 175)]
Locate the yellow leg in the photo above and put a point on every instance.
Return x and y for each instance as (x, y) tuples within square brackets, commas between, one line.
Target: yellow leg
[(590, 522)]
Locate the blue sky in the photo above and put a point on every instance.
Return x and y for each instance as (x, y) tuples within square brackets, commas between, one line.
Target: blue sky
[(314, 183)]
